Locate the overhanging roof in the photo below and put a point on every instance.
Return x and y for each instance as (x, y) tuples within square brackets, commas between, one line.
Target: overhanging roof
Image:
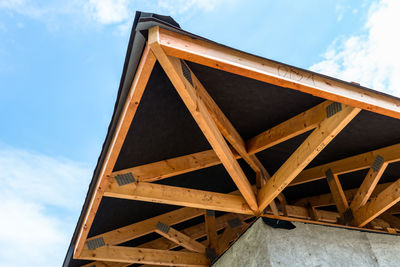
[(163, 128)]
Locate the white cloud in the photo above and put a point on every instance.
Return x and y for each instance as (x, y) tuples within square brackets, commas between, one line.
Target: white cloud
[(24, 7), (372, 58), (108, 11), (40, 201)]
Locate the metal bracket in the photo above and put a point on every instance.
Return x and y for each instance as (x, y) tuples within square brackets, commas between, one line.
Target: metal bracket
[(95, 243), (210, 212), (234, 223), (332, 109), (186, 72), (126, 178), (211, 254), (163, 227), (377, 163), (329, 175)]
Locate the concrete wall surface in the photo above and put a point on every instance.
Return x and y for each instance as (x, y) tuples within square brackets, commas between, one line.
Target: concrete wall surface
[(311, 245)]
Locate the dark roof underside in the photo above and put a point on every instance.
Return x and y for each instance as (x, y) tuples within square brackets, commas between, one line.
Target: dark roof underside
[(163, 128)]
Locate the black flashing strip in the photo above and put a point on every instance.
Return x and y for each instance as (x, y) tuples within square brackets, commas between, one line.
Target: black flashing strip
[(329, 175), (186, 72), (163, 227), (378, 163), (126, 178), (276, 223), (95, 243), (332, 109)]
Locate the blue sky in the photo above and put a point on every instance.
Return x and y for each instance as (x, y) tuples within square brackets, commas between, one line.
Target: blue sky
[(60, 66)]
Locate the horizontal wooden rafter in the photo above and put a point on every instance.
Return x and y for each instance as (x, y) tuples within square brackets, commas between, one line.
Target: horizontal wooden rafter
[(133, 98), (145, 256), (362, 161), (178, 196), (171, 167), (234, 61)]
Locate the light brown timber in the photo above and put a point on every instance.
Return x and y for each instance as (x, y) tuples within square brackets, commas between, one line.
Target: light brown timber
[(145, 256), (179, 196), (337, 193), (211, 229), (367, 187), (182, 240), (362, 161), (378, 205)]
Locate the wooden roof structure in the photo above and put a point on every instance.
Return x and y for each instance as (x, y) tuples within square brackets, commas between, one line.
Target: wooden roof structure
[(205, 138)]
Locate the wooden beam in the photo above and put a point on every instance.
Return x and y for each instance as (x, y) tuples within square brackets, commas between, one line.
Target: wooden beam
[(306, 152), (171, 167), (302, 123), (369, 183), (337, 194), (375, 207), (327, 199), (362, 161), (179, 238), (135, 230), (179, 196), (227, 59), (145, 256), (187, 89), (303, 213), (139, 83), (394, 221), (211, 229)]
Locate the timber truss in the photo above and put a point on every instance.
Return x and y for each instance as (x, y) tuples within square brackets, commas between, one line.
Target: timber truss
[(371, 206)]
